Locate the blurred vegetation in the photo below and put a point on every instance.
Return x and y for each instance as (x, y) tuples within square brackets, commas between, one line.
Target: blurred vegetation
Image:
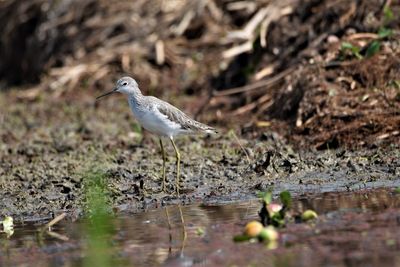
[(100, 225)]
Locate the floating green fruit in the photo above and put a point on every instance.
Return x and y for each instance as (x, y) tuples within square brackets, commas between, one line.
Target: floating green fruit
[(268, 234), (309, 215)]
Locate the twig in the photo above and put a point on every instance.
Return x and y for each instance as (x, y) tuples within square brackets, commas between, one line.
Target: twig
[(215, 12), (333, 64), (255, 85), (265, 106), (273, 15), (55, 220), (245, 109), (184, 24), (263, 31), (347, 16), (237, 50), (252, 105), (248, 32), (57, 236), (160, 54), (239, 5), (363, 35), (268, 70)]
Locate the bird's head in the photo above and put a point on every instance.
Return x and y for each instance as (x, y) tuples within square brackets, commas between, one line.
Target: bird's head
[(125, 85)]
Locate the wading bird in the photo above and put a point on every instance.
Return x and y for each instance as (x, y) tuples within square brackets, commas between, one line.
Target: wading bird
[(159, 118)]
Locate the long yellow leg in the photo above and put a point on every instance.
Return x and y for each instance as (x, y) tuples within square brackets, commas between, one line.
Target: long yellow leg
[(163, 165), (178, 163)]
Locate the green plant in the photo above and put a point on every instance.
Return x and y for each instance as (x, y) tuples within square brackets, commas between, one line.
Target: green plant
[(385, 32), (372, 48), (100, 226), (266, 197), (388, 14), (348, 49)]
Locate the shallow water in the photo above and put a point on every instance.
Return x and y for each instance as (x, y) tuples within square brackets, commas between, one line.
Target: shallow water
[(353, 229)]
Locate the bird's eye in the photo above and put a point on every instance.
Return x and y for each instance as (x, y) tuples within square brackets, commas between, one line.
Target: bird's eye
[(125, 83)]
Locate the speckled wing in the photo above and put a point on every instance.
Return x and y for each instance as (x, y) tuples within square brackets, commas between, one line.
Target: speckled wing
[(187, 124)]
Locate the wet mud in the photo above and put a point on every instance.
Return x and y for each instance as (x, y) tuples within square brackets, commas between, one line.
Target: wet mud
[(47, 155)]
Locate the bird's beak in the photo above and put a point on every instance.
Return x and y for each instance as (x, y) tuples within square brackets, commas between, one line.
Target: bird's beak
[(106, 94)]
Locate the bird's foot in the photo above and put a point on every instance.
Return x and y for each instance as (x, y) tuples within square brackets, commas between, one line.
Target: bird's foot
[(164, 188), (178, 189)]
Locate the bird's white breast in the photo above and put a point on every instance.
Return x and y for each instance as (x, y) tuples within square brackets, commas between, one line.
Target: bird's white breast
[(154, 121)]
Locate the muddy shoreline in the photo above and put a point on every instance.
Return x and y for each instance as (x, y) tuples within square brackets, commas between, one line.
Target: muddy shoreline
[(45, 170)]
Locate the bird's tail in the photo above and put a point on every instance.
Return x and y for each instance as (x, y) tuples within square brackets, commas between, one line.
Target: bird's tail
[(210, 130), (198, 128)]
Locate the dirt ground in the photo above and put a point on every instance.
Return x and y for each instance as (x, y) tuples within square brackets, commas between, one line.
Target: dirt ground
[(317, 108), (49, 154)]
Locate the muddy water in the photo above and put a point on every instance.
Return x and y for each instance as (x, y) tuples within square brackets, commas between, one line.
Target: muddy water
[(354, 229)]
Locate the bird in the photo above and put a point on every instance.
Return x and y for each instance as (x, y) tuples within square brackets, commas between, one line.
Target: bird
[(160, 118)]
